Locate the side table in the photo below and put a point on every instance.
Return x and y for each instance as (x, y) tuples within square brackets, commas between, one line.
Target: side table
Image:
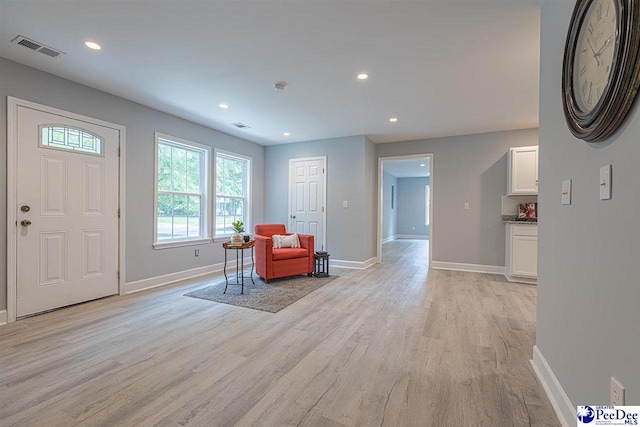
[(239, 263), (322, 264)]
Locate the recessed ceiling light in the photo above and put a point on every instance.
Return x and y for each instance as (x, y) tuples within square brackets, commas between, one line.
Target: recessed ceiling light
[(422, 165), (393, 119), (286, 134), (280, 86), (92, 45), (223, 106), (363, 76)]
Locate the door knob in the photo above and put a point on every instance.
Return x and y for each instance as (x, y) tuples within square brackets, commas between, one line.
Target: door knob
[(25, 208), (293, 216), (25, 223)]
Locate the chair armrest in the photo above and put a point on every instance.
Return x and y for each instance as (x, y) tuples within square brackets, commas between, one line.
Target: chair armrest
[(264, 244), (306, 242)]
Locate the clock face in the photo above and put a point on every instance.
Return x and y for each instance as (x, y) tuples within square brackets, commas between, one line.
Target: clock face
[(594, 53)]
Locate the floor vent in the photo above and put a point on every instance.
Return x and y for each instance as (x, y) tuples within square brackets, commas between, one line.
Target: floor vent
[(241, 125), (38, 47)]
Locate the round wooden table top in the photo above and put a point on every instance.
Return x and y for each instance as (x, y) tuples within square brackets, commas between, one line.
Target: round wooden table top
[(244, 245)]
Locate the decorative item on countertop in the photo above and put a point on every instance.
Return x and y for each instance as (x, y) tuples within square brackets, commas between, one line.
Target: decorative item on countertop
[(528, 210), (322, 264), (238, 228)]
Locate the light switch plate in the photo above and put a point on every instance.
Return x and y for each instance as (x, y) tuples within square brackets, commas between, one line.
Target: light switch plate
[(605, 182), (345, 204), (566, 192)]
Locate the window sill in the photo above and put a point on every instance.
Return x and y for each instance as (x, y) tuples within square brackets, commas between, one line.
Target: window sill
[(221, 239), (181, 243)]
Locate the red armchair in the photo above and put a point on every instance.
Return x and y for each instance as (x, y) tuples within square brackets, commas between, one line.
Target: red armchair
[(272, 263)]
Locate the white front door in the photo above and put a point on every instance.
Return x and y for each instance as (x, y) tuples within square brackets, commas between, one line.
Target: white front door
[(67, 211), (307, 198)]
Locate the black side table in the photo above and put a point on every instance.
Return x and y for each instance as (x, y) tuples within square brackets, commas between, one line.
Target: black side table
[(239, 263), (322, 264)]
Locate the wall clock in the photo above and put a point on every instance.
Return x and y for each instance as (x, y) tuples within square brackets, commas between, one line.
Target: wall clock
[(601, 68)]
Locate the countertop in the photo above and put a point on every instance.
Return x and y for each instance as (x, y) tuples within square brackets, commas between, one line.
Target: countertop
[(511, 219)]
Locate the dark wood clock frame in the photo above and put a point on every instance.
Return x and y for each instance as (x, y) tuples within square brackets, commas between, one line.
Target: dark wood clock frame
[(608, 114)]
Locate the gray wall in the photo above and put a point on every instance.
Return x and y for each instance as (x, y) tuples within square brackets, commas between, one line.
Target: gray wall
[(588, 292), (370, 188), (346, 174), (389, 216), (470, 168), (411, 206), (142, 261)]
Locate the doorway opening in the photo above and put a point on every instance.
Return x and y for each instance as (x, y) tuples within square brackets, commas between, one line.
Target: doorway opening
[(405, 196)]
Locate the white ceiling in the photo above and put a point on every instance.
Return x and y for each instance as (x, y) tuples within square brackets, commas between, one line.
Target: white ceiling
[(443, 67), (407, 168)]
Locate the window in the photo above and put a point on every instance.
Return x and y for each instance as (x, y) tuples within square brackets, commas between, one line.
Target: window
[(232, 192), (427, 200), (66, 138), (181, 192)]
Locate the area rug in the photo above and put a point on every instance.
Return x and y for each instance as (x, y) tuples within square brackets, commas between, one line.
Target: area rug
[(271, 297)]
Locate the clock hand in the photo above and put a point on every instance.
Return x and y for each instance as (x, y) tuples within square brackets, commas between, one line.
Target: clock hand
[(594, 52), (604, 46)]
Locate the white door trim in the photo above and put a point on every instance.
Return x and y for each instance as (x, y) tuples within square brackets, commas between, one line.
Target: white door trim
[(324, 196), (381, 160), (12, 189)]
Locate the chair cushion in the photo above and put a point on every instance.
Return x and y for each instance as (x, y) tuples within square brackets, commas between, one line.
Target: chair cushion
[(289, 253)]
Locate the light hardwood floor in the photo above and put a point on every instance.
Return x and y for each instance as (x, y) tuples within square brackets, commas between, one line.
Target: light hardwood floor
[(386, 346)]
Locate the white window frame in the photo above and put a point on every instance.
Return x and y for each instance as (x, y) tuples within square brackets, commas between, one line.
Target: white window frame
[(206, 204), (248, 184)]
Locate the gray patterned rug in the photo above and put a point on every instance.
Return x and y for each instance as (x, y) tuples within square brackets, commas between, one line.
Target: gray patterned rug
[(271, 297)]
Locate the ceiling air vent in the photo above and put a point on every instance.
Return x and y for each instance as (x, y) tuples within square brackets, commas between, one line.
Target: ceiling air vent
[(37, 46), (241, 125)]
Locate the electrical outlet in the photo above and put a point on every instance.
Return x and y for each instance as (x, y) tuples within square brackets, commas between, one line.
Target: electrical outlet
[(617, 392), (197, 252)]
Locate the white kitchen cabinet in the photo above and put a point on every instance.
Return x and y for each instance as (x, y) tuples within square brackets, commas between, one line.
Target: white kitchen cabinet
[(522, 252), (523, 171)]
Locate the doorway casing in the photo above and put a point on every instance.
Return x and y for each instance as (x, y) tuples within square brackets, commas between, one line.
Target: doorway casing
[(381, 161)]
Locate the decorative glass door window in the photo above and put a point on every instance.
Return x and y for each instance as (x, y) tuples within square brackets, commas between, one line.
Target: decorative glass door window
[(67, 138)]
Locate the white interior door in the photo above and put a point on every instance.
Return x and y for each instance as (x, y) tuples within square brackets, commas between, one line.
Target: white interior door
[(67, 211), (307, 198)]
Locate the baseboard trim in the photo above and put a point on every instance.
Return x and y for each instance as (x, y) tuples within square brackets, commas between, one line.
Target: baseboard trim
[(471, 268), (412, 236), (355, 265), (167, 279), (521, 280), (3, 317), (565, 410), (388, 239)]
